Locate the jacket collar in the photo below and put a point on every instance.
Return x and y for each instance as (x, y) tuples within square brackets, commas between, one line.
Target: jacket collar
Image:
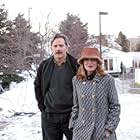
[(97, 77)]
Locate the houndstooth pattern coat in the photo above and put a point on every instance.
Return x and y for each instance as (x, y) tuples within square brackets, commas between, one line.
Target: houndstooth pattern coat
[(96, 108)]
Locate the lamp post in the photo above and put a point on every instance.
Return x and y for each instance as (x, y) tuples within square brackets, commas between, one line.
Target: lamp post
[(101, 13), (29, 16)]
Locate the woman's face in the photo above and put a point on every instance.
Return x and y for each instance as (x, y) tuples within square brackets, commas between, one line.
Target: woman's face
[(90, 65)]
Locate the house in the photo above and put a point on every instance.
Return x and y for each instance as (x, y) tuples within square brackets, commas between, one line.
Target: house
[(136, 65), (112, 60), (116, 62)]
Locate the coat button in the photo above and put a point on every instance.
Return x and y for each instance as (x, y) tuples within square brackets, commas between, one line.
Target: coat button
[(93, 110), (93, 82), (82, 95), (93, 96), (83, 109), (92, 124), (83, 121), (84, 82)]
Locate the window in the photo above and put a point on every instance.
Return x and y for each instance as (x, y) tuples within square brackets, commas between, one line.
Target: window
[(105, 64), (108, 64), (136, 63)]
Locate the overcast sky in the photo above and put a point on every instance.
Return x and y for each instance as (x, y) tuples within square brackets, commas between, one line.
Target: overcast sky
[(123, 15)]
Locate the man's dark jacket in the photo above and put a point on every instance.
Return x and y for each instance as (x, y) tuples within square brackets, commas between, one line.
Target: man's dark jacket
[(43, 78)]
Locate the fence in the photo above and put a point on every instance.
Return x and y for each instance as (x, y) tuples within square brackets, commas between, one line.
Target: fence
[(126, 82)]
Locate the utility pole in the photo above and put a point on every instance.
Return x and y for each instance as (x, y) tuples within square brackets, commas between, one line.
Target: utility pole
[(100, 33), (29, 17)]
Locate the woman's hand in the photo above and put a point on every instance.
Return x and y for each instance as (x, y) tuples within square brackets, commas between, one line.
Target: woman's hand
[(107, 133)]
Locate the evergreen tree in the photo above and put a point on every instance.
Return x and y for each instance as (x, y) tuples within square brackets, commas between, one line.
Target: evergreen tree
[(4, 22), (5, 26), (123, 42), (24, 43), (77, 33)]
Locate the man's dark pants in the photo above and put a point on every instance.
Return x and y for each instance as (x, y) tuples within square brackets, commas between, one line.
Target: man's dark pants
[(55, 125)]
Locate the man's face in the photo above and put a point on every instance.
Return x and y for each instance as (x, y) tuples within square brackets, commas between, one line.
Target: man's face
[(59, 48)]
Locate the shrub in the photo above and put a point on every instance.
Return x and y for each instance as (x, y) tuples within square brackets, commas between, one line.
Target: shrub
[(7, 78)]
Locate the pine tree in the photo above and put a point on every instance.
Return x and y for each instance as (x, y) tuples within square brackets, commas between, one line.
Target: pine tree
[(77, 33), (5, 26), (123, 42), (24, 43)]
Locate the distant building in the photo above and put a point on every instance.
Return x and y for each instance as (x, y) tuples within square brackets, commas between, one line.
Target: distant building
[(115, 61)]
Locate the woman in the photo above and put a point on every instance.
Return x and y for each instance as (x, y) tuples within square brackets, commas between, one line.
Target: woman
[(96, 110)]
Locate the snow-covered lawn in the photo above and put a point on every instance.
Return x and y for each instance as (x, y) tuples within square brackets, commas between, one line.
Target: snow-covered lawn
[(129, 126), (26, 126)]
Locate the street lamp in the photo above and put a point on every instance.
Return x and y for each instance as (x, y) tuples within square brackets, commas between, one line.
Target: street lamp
[(101, 13), (29, 16)]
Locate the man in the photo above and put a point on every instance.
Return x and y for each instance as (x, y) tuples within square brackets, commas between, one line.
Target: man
[(53, 90)]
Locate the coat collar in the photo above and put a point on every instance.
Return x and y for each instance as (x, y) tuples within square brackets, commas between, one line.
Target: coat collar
[(97, 78)]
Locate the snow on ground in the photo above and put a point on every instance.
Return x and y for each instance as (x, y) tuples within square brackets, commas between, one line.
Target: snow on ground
[(26, 126), (129, 126), (20, 99)]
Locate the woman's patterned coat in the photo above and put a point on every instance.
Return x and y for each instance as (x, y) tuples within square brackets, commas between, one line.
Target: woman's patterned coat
[(96, 108)]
